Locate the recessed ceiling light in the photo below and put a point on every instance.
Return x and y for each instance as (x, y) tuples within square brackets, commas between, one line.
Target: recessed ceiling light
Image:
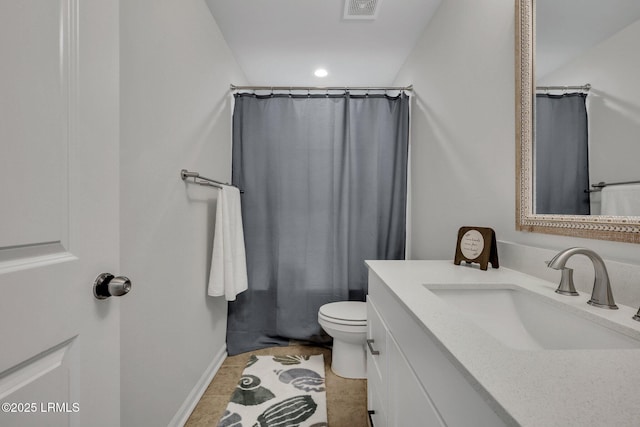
[(321, 72)]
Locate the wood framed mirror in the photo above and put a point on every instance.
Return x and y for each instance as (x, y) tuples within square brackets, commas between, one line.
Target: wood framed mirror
[(624, 228)]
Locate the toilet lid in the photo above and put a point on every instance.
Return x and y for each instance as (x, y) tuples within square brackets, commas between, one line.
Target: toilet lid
[(352, 311)]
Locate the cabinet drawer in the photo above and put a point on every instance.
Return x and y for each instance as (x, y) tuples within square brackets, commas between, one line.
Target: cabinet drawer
[(377, 405)]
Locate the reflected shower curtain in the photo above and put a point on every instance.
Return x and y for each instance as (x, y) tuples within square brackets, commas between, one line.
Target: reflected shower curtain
[(325, 188), (561, 155)]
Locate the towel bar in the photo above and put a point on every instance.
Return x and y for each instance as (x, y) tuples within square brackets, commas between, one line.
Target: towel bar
[(201, 180)]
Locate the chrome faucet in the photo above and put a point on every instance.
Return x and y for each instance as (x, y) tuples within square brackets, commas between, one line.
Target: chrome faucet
[(601, 295)]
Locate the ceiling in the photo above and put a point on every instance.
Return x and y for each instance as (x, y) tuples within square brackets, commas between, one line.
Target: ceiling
[(282, 42), (566, 29)]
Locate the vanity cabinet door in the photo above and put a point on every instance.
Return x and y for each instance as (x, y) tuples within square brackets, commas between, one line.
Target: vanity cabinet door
[(377, 333), (377, 381), (409, 403)]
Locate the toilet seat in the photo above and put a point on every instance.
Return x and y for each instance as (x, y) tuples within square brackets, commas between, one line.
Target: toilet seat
[(352, 313)]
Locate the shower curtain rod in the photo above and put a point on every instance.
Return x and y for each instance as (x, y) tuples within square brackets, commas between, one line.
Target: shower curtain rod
[(586, 87), (326, 88)]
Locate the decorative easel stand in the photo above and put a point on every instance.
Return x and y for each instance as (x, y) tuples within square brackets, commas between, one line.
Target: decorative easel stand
[(477, 244)]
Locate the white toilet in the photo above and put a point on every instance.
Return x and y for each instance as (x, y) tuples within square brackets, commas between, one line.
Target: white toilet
[(346, 322)]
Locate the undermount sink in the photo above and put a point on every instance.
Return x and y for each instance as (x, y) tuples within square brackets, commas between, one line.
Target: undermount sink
[(524, 320)]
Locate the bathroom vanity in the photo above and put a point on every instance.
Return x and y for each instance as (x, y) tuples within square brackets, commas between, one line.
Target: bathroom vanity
[(457, 346)]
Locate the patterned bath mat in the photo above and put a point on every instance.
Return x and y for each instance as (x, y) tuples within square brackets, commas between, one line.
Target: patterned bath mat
[(279, 391)]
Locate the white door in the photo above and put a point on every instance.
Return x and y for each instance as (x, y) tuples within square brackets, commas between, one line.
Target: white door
[(59, 345)]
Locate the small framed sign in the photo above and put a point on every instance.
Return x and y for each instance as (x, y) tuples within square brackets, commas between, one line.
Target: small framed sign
[(477, 244)]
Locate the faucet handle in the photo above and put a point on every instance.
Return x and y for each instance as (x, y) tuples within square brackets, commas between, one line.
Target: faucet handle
[(566, 286), (637, 316)]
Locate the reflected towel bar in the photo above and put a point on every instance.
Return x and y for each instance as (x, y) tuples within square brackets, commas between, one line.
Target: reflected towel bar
[(201, 180), (599, 186)]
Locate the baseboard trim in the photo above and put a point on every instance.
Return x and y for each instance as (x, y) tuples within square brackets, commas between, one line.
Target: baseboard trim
[(181, 417)]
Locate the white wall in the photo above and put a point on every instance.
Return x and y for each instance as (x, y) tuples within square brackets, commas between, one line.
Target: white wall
[(463, 124), (463, 136), (175, 113)]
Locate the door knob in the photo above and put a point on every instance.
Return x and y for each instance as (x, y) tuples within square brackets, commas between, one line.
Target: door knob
[(106, 285)]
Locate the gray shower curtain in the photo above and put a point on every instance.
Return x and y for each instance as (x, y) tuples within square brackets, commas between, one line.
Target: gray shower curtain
[(561, 155), (325, 187)]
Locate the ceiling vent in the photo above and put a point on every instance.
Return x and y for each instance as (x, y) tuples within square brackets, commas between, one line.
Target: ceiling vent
[(361, 9)]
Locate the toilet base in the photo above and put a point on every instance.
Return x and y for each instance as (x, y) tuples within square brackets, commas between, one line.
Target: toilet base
[(349, 360)]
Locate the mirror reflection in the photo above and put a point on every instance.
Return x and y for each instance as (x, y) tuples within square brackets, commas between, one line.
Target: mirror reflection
[(587, 107)]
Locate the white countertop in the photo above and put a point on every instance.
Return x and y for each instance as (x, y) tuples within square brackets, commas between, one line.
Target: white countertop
[(537, 387)]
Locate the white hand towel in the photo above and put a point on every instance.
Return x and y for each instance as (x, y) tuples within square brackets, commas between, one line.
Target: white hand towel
[(228, 275), (623, 200)]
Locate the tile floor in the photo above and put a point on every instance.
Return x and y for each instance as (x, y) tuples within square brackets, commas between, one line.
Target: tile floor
[(346, 399)]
